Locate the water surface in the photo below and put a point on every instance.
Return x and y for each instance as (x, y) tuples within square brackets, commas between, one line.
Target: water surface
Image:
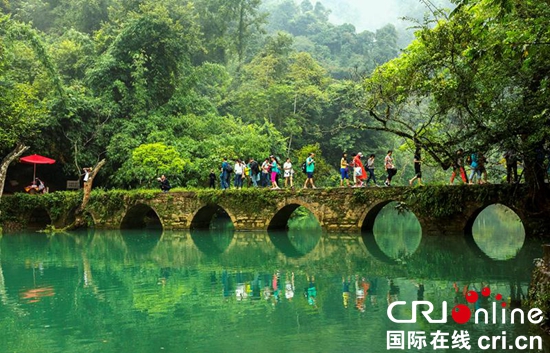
[(225, 291)]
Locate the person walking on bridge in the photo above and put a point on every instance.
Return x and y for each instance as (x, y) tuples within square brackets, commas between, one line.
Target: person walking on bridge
[(344, 170), (458, 167), (370, 170), (310, 168), (390, 168), (417, 170), (359, 170)]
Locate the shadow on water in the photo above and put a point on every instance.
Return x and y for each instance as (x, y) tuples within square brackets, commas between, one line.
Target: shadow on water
[(302, 236), (396, 235)]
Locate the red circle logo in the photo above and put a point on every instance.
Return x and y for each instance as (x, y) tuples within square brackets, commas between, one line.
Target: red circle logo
[(461, 314), (471, 296)]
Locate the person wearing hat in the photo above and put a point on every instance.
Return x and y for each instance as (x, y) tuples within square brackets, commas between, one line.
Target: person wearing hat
[(359, 170)]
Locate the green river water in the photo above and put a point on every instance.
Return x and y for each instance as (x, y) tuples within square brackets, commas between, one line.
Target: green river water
[(226, 291)]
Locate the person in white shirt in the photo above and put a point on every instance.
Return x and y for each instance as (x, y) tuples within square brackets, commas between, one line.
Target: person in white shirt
[(288, 172), (239, 169), (390, 168)]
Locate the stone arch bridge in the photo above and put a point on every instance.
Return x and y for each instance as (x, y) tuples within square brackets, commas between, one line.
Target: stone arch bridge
[(439, 209)]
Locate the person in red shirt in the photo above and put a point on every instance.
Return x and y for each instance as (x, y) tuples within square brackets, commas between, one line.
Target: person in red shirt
[(359, 170)]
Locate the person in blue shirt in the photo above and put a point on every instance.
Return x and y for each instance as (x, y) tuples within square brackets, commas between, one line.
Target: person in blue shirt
[(310, 168), (225, 175), (474, 167)]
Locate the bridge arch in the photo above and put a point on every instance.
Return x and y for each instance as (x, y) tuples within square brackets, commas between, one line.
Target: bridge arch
[(396, 240), (38, 219), (280, 220), (497, 231), (367, 219), (141, 216), (202, 218), (293, 243), (468, 227)]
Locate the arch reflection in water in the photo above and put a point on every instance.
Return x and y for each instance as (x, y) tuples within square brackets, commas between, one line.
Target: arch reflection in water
[(140, 242), (212, 230), (302, 235), (395, 235), (498, 232), (214, 241)]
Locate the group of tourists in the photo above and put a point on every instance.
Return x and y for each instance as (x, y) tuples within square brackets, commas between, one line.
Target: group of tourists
[(477, 162), (357, 171), (361, 175), (265, 174), (268, 172)]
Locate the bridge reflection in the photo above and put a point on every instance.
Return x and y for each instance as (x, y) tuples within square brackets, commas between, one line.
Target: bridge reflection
[(455, 258)]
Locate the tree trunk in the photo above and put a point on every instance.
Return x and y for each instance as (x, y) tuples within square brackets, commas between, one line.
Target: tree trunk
[(79, 219), (15, 153), (88, 184)]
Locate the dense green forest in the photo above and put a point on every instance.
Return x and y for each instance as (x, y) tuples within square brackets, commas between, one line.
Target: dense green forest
[(172, 86)]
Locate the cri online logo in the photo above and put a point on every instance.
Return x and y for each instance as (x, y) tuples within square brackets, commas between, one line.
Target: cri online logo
[(461, 313)]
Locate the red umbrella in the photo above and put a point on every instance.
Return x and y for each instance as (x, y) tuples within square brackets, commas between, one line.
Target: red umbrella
[(36, 159)]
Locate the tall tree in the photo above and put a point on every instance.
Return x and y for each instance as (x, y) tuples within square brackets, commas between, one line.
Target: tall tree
[(229, 27), (476, 80), (25, 69)]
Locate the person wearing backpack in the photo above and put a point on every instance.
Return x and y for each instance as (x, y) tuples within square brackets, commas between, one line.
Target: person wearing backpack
[(310, 168), (254, 171)]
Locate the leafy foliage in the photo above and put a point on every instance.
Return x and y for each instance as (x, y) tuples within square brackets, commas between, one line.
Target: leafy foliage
[(474, 81), (151, 160)]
